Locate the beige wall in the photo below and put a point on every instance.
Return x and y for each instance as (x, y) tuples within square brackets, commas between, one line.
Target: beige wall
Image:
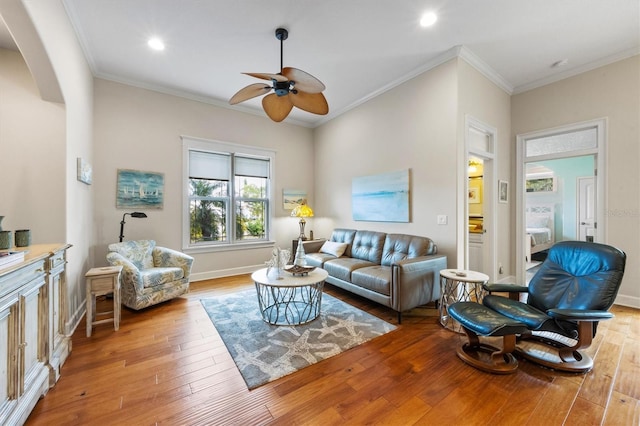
[(418, 125), (32, 155), (480, 98), (611, 92), (412, 126), (140, 129), (43, 139)]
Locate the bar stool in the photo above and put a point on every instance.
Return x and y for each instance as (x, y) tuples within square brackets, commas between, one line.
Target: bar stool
[(99, 282)]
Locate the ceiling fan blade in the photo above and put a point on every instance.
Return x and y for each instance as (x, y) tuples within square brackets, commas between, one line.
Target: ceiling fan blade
[(277, 107), (251, 91), (315, 103), (304, 81), (267, 76)]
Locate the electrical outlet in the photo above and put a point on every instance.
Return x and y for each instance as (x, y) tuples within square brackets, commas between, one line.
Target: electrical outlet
[(442, 219)]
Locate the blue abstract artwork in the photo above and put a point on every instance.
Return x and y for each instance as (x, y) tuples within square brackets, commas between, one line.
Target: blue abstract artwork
[(381, 198), (137, 189)]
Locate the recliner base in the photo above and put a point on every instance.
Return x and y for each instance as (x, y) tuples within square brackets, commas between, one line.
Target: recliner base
[(545, 351), (487, 358)]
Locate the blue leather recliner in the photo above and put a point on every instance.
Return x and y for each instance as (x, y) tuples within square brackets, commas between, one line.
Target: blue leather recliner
[(571, 292)]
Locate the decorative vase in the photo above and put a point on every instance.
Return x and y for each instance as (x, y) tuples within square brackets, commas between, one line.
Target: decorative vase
[(23, 238), (300, 255), (1, 217), (5, 240)]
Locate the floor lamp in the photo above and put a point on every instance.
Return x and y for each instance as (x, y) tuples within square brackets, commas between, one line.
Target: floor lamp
[(134, 214)]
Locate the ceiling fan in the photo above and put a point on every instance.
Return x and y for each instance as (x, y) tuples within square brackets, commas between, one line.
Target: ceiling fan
[(291, 86)]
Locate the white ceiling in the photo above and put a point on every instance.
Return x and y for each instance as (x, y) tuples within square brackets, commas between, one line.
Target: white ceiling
[(358, 48)]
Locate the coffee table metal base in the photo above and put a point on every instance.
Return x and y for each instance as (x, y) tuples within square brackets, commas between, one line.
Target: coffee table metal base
[(289, 305)]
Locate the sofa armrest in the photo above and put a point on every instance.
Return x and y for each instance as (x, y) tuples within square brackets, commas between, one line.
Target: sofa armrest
[(130, 273), (312, 246), (163, 256), (416, 281)]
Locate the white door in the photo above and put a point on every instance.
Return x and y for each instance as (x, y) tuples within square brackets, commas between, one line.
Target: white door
[(586, 208)]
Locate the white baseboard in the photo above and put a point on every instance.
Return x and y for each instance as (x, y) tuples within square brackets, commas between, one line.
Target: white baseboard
[(630, 301), (201, 276)]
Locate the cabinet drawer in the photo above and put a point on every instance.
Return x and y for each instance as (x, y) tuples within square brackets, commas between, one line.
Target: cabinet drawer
[(102, 284), (56, 260)]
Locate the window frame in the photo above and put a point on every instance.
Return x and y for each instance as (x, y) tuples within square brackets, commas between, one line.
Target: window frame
[(218, 147)]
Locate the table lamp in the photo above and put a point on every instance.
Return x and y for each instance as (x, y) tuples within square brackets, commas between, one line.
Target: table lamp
[(302, 211)]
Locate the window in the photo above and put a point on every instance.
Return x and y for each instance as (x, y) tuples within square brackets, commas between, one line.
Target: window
[(228, 197)]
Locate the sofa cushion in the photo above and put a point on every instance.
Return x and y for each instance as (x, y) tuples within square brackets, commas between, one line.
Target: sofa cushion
[(401, 246), (341, 235), (159, 276), (334, 248), (342, 267), (137, 252), (375, 278), (318, 259), (368, 245)]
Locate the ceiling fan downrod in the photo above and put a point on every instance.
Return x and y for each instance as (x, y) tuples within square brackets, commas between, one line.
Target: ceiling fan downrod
[(282, 88), (282, 35)]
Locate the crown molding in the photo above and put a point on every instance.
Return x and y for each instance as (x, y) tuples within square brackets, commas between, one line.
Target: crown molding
[(577, 70), (483, 68), (434, 62), (198, 98)]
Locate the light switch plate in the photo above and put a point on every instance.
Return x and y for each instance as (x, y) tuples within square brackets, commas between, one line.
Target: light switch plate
[(442, 219)]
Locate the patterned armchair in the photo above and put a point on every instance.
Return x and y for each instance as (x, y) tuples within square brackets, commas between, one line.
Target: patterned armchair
[(150, 274)]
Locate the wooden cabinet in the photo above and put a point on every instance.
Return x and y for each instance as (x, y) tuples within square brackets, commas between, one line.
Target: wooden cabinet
[(26, 336), (59, 341)]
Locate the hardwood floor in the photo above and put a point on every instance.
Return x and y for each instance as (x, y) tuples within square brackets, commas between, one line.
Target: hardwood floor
[(167, 365)]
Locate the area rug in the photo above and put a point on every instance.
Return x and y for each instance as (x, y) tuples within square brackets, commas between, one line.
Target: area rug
[(264, 352)]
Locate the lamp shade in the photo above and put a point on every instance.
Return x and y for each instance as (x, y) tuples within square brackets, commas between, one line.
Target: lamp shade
[(302, 210)]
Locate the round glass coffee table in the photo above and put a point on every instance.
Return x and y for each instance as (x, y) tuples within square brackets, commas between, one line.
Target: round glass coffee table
[(287, 299)]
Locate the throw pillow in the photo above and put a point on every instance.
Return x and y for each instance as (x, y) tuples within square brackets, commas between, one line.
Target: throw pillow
[(331, 247), (537, 222)]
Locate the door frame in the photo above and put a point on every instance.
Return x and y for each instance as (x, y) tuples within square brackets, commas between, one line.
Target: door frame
[(579, 200), (489, 197), (601, 199)]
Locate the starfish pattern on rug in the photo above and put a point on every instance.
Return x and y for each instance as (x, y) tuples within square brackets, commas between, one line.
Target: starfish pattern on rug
[(264, 352), (348, 324)]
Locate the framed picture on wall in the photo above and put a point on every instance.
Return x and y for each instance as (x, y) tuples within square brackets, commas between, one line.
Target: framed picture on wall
[(503, 191), (293, 197), (474, 195), (84, 172), (139, 189), (545, 184)]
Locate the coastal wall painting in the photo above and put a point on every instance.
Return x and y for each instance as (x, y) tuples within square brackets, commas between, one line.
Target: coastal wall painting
[(84, 172), (140, 190), (292, 198), (381, 198)]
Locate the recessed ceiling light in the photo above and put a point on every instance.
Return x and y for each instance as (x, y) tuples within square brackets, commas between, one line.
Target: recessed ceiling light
[(155, 43), (428, 19)]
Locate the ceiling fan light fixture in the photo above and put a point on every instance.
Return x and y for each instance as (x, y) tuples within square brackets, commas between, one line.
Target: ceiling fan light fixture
[(291, 87)]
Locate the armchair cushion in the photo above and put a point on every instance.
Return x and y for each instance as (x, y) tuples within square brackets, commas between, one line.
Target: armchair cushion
[(158, 276), (137, 252)]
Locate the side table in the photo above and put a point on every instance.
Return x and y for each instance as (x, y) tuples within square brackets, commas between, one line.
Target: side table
[(458, 285), (99, 282)]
